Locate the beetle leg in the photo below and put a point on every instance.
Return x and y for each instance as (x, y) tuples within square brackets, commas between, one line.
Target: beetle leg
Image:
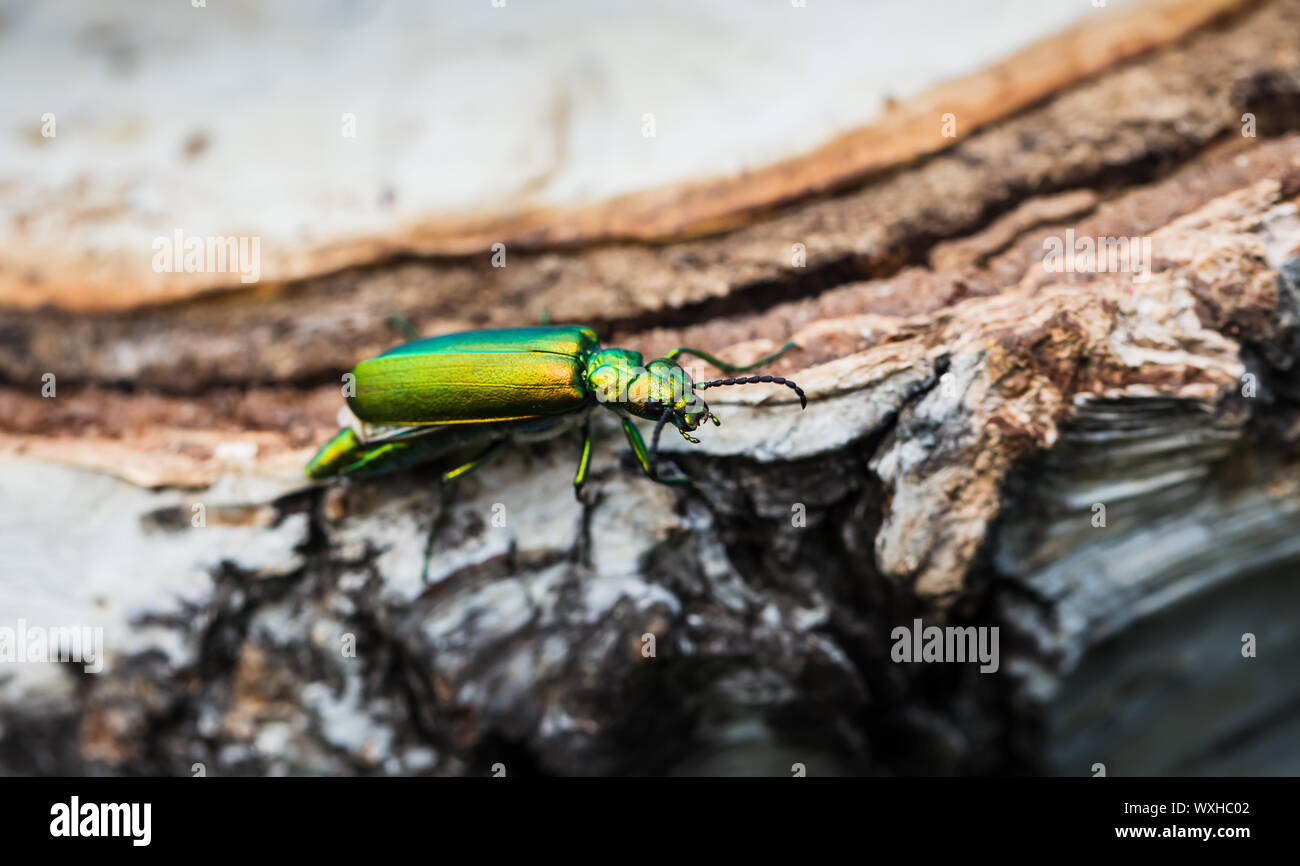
[(466, 468), (638, 448), (584, 461), (723, 365)]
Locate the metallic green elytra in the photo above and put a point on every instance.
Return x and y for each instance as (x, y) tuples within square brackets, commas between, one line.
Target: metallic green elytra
[(469, 392)]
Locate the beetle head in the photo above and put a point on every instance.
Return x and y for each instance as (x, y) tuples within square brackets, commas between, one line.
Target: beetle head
[(662, 388), (695, 413), (665, 393)]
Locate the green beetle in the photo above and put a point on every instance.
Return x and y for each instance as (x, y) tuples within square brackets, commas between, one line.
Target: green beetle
[(471, 391)]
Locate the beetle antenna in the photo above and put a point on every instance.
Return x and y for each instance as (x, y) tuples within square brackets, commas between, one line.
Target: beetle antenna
[(754, 380)]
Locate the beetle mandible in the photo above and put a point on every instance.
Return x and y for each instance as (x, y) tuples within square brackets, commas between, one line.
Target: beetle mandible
[(470, 391)]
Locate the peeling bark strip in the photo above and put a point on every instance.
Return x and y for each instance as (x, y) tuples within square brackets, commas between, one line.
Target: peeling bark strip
[(1103, 468)]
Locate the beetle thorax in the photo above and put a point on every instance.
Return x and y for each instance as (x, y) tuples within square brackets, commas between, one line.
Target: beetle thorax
[(610, 373)]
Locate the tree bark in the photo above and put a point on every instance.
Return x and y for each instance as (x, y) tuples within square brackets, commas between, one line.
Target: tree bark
[(1100, 464)]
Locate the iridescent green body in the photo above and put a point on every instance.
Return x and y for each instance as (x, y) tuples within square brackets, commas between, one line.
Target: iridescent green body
[(477, 377), (446, 395)]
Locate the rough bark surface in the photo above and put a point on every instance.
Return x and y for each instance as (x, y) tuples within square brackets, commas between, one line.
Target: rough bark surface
[(969, 411)]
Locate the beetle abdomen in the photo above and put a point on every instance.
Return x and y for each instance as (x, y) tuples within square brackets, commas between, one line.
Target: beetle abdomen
[(475, 377)]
